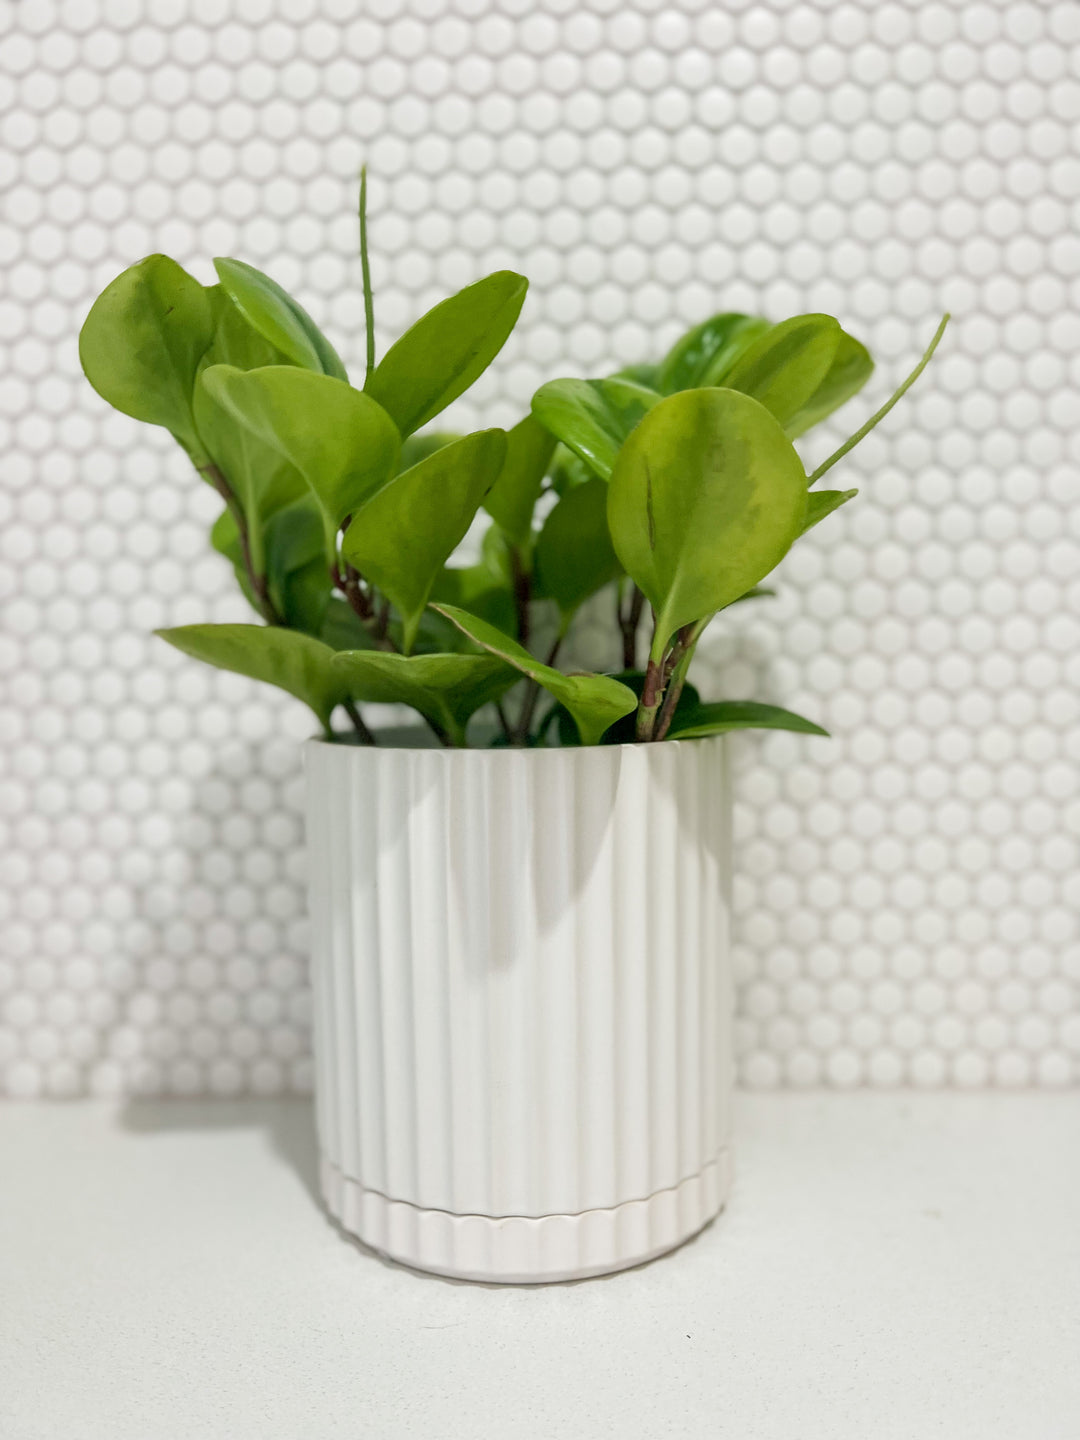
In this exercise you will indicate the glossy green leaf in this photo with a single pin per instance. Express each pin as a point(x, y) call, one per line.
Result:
point(401, 538)
point(340, 440)
point(823, 502)
point(595, 701)
point(278, 317)
point(285, 658)
point(787, 365)
point(141, 344)
point(475, 589)
point(707, 497)
point(445, 689)
point(850, 369)
point(593, 417)
point(574, 554)
point(446, 350)
point(706, 353)
point(512, 499)
point(724, 715)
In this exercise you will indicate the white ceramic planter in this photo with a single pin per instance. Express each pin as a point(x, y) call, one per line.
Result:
point(522, 1016)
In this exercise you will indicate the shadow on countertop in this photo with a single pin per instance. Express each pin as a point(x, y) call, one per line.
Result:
point(289, 1125)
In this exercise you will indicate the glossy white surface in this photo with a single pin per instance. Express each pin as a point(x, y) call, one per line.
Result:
point(902, 1267)
point(522, 985)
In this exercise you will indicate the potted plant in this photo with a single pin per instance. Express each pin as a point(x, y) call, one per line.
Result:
point(519, 906)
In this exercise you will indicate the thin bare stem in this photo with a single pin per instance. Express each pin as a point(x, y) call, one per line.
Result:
point(532, 694)
point(365, 735)
point(365, 270)
point(629, 624)
point(522, 594)
point(879, 415)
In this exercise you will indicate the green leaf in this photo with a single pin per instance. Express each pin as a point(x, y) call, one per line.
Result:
point(724, 715)
point(260, 477)
point(278, 317)
point(473, 588)
point(643, 374)
point(707, 497)
point(574, 555)
point(225, 539)
point(297, 566)
point(497, 559)
point(567, 470)
point(623, 731)
point(401, 538)
point(342, 628)
point(418, 447)
point(850, 369)
point(285, 658)
point(445, 689)
point(512, 499)
point(704, 354)
point(787, 365)
point(446, 350)
point(593, 417)
point(823, 502)
point(340, 440)
point(595, 701)
point(142, 342)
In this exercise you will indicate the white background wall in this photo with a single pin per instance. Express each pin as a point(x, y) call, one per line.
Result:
point(908, 891)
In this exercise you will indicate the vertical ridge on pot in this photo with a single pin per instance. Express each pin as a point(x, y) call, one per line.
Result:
point(520, 1021)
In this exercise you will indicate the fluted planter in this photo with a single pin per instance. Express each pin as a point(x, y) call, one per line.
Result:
point(522, 1021)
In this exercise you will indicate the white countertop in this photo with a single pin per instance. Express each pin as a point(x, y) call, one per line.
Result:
point(889, 1266)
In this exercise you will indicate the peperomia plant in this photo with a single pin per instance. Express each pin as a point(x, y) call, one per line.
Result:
point(676, 487)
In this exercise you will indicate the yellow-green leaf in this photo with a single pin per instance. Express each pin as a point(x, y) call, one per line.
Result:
point(706, 498)
point(594, 701)
point(141, 344)
point(446, 350)
point(403, 536)
point(445, 689)
point(593, 417)
point(286, 658)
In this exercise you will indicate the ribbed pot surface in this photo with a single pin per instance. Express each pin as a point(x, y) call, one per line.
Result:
point(522, 1017)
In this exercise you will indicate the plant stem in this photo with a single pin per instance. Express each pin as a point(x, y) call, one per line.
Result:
point(365, 270)
point(879, 415)
point(351, 586)
point(503, 721)
point(532, 694)
point(628, 625)
point(653, 690)
point(383, 620)
point(366, 737)
point(259, 587)
point(522, 595)
point(678, 664)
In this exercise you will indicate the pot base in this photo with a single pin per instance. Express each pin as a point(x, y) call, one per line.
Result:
point(528, 1250)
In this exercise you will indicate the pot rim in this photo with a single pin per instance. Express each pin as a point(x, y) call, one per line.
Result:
point(348, 746)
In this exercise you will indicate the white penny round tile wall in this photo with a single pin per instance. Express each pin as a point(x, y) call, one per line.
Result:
point(907, 892)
